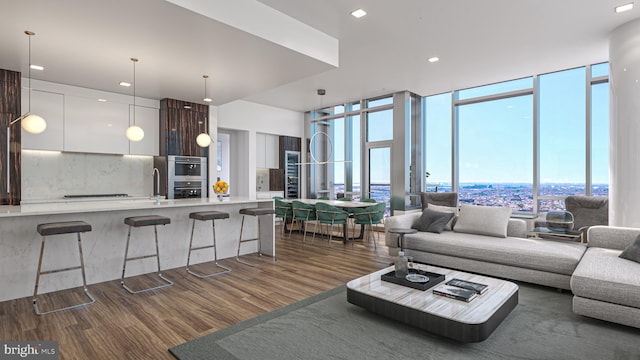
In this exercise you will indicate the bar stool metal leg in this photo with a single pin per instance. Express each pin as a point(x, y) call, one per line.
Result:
point(247, 240)
point(84, 280)
point(257, 212)
point(215, 253)
point(156, 255)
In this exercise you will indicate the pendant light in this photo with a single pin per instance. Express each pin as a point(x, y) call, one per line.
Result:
point(203, 139)
point(134, 132)
point(31, 123)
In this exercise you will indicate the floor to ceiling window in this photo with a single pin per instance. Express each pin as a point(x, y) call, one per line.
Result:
point(562, 136)
point(437, 144)
point(526, 143)
point(496, 152)
point(335, 151)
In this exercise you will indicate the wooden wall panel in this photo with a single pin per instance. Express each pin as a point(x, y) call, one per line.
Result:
point(10, 110)
point(276, 179)
point(179, 127)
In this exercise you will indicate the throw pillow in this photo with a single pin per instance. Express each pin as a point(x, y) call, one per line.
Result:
point(483, 220)
point(453, 210)
point(432, 221)
point(632, 252)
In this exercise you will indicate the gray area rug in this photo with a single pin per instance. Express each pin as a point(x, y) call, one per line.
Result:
point(326, 326)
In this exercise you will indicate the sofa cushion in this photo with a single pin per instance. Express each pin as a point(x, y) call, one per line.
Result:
point(483, 220)
point(432, 221)
point(559, 257)
point(602, 275)
point(632, 252)
point(449, 209)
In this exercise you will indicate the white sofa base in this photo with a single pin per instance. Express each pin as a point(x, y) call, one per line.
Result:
point(601, 310)
point(558, 281)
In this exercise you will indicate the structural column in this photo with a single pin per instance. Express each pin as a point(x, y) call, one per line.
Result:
point(10, 97)
point(624, 187)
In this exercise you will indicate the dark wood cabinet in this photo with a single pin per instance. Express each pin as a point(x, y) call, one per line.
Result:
point(9, 111)
point(180, 124)
point(276, 179)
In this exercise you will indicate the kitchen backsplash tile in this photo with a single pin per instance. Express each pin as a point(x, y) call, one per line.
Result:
point(51, 175)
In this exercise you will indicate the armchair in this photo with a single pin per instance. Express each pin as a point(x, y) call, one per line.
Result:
point(587, 211)
point(439, 198)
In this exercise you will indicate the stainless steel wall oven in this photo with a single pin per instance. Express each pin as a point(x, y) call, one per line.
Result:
point(187, 177)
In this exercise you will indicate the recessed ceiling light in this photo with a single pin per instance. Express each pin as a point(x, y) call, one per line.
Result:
point(624, 7)
point(358, 13)
point(207, 99)
point(433, 59)
point(36, 67)
point(124, 83)
point(187, 107)
point(102, 100)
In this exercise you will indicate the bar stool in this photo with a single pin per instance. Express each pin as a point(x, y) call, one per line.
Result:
point(252, 212)
point(206, 216)
point(139, 221)
point(59, 228)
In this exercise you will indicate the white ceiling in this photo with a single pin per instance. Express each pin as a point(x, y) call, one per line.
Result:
point(89, 42)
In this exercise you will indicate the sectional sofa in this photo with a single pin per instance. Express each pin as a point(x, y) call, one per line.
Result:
point(605, 286)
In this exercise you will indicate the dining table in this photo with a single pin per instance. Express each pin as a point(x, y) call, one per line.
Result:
point(345, 205)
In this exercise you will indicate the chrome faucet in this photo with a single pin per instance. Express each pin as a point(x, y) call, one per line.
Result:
point(156, 173)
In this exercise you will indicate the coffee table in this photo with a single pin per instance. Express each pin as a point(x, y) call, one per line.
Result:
point(465, 322)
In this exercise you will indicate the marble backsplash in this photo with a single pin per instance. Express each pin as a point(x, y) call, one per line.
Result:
point(48, 175)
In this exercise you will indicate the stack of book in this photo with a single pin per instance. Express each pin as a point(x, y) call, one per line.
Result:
point(461, 290)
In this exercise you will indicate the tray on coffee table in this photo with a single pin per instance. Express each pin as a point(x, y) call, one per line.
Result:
point(434, 279)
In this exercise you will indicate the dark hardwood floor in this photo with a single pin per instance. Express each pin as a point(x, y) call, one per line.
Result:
point(143, 326)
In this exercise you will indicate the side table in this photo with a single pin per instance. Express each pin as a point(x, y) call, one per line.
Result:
point(401, 233)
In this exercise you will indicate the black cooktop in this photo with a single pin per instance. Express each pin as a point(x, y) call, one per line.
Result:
point(94, 195)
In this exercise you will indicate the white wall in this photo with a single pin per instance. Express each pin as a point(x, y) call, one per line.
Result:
point(244, 119)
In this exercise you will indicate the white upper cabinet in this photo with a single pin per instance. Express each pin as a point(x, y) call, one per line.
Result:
point(50, 106)
point(91, 121)
point(267, 150)
point(272, 151)
point(95, 127)
point(148, 119)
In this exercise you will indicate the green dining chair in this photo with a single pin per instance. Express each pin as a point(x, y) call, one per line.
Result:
point(323, 198)
point(370, 200)
point(331, 215)
point(284, 211)
point(302, 214)
point(346, 198)
point(369, 216)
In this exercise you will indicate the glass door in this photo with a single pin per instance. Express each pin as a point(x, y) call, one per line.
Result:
point(292, 174)
point(379, 165)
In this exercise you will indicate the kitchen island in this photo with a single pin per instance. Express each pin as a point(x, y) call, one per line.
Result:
point(104, 246)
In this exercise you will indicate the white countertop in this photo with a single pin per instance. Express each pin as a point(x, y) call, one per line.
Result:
point(50, 208)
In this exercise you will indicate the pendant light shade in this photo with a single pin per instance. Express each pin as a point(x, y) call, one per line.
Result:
point(33, 124)
point(203, 139)
point(134, 133)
